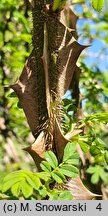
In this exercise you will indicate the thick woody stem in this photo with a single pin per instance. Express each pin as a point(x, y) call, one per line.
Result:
point(38, 43)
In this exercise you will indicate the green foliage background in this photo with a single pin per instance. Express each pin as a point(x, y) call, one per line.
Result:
point(15, 46)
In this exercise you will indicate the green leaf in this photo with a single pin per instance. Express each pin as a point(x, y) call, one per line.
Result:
point(8, 184)
point(14, 175)
point(12, 95)
point(26, 189)
point(44, 175)
point(69, 170)
point(77, 1)
point(65, 195)
point(34, 181)
point(58, 177)
point(26, 37)
point(43, 191)
point(97, 117)
point(51, 158)
point(60, 195)
point(91, 169)
point(58, 4)
point(69, 151)
point(11, 180)
point(19, 105)
point(98, 4)
point(94, 150)
point(45, 166)
point(84, 146)
point(103, 175)
point(106, 156)
point(95, 178)
point(15, 189)
point(100, 143)
point(74, 160)
point(98, 173)
point(100, 158)
point(53, 196)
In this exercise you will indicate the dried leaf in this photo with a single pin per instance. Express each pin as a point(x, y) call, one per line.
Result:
point(81, 154)
point(60, 140)
point(72, 133)
point(61, 38)
point(68, 51)
point(37, 149)
point(68, 18)
point(66, 62)
point(39, 145)
point(74, 88)
point(25, 89)
point(79, 191)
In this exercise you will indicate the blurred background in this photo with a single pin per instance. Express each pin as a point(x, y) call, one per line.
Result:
point(15, 47)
